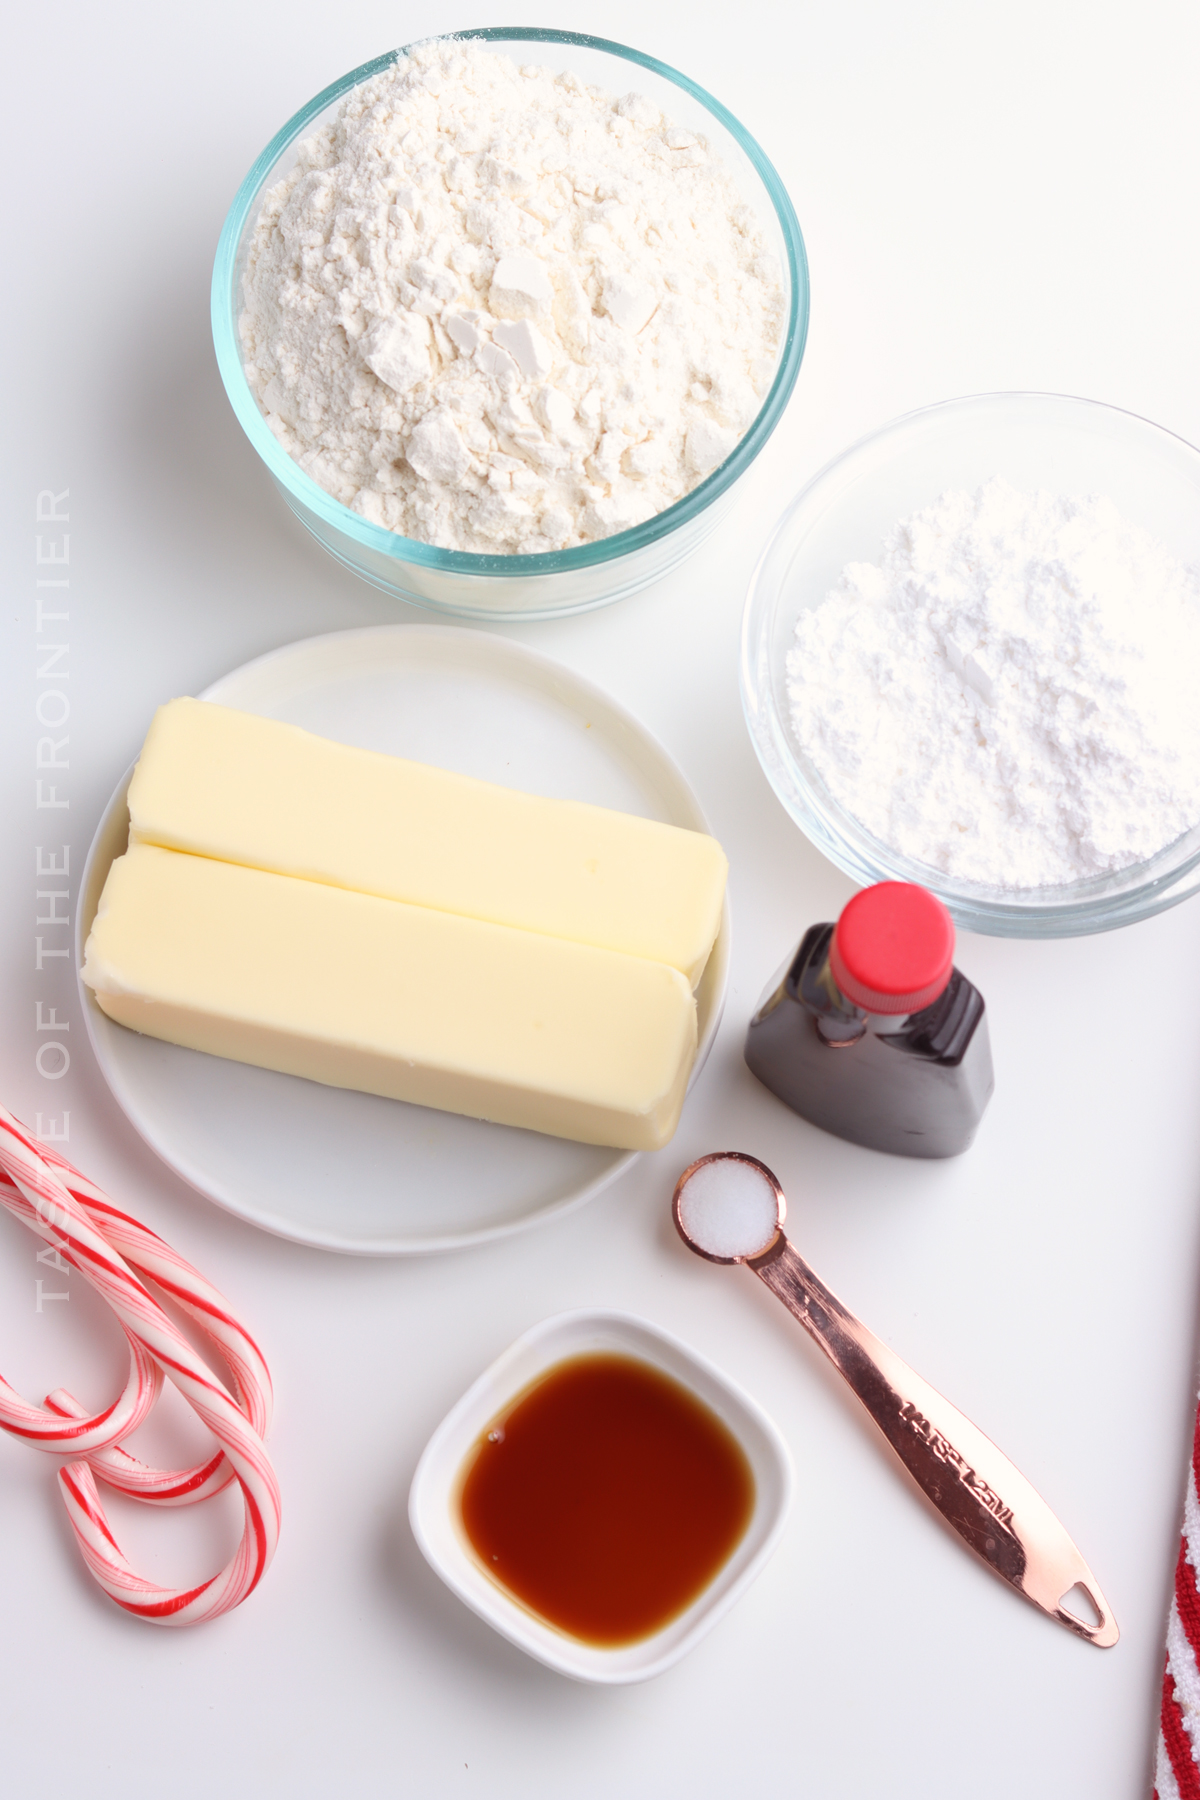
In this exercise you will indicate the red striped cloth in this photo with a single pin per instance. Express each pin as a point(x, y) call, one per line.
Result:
point(1177, 1768)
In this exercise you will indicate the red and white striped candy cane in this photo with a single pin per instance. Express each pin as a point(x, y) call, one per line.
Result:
point(146, 1252)
point(154, 1487)
point(45, 1193)
point(97, 1436)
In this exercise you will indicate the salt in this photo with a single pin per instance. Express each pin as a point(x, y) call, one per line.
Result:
point(729, 1209)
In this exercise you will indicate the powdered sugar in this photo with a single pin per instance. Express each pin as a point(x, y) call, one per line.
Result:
point(1012, 696)
point(498, 310)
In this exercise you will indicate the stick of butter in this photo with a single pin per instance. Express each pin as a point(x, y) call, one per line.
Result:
point(405, 1001)
point(229, 784)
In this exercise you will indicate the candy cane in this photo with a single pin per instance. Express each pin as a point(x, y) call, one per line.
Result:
point(154, 1487)
point(41, 1189)
point(147, 1252)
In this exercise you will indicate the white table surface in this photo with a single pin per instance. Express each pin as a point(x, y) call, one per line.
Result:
point(992, 197)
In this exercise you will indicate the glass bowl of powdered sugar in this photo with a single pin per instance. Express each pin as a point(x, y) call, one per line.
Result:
point(971, 659)
point(507, 315)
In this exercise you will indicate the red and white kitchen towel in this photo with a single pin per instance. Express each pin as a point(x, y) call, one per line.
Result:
point(1177, 1764)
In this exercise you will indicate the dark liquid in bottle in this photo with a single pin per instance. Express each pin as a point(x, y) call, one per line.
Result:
point(917, 1091)
point(606, 1498)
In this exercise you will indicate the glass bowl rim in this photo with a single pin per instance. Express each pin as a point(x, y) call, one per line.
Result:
point(464, 562)
point(1092, 904)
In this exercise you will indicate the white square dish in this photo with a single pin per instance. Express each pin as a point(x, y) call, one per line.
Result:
point(433, 1504)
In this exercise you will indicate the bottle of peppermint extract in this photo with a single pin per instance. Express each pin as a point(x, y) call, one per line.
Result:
point(873, 1034)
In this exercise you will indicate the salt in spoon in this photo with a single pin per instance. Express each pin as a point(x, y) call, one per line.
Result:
point(729, 1208)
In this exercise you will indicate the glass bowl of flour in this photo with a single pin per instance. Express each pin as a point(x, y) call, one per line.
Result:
point(507, 316)
point(971, 659)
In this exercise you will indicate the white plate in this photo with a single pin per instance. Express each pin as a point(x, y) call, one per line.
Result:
point(434, 1515)
point(350, 1171)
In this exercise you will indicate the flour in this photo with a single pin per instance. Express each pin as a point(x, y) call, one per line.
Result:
point(1011, 697)
point(497, 310)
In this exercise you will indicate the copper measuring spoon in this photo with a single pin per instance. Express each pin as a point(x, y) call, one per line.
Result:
point(977, 1490)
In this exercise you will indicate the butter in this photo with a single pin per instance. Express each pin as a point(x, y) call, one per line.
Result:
point(405, 1001)
point(230, 785)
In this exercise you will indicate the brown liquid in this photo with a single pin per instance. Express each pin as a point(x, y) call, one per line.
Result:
point(606, 1498)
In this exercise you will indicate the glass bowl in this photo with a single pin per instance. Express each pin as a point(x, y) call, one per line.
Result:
point(562, 581)
point(1034, 440)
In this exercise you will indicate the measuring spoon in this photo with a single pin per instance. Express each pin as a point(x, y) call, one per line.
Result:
point(729, 1208)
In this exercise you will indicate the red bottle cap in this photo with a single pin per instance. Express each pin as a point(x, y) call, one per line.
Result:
point(893, 948)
